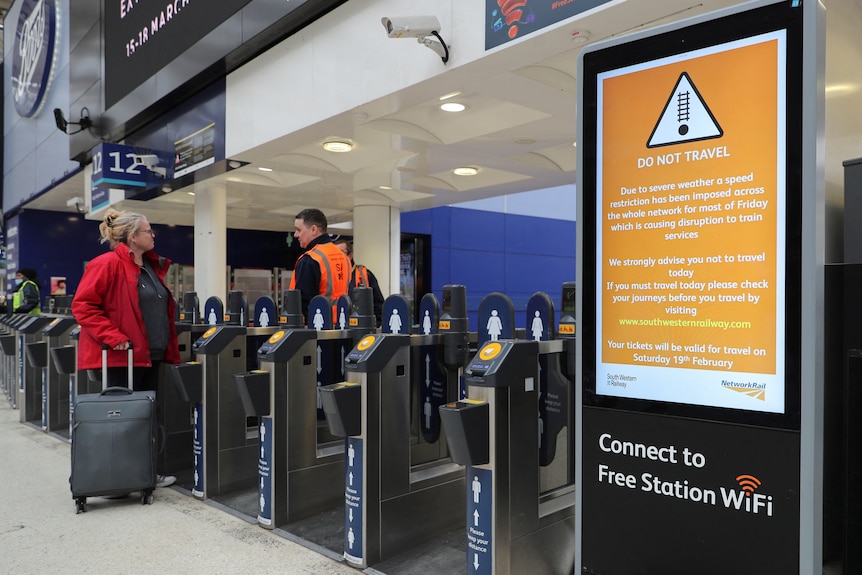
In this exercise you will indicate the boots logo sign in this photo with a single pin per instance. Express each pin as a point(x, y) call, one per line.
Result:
point(34, 55)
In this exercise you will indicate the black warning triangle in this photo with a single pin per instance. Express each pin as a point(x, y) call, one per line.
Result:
point(685, 118)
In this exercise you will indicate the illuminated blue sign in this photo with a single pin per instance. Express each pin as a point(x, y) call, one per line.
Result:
point(114, 166)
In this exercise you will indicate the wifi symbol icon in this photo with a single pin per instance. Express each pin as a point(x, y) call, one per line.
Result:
point(748, 483)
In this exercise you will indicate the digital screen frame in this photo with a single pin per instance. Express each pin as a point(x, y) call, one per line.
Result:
point(690, 194)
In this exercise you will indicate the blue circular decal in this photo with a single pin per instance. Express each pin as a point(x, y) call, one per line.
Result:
point(34, 54)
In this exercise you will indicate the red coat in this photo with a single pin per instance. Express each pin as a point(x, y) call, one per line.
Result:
point(107, 308)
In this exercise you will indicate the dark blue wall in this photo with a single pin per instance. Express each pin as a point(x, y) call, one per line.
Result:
point(490, 251)
point(485, 251)
point(58, 244)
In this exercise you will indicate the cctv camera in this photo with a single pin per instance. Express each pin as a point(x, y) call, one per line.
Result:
point(411, 26)
point(60, 120)
point(146, 160)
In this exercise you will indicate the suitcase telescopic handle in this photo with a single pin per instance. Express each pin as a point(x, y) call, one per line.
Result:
point(105, 348)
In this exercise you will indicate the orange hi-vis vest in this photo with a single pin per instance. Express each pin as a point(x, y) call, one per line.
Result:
point(334, 274)
point(360, 277)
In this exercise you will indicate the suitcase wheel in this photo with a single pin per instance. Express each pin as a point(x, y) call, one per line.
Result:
point(147, 498)
point(80, 505)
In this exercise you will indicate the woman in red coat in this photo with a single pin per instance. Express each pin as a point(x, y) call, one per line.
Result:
point(122, 299)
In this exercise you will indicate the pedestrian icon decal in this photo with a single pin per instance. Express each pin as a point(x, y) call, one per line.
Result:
point(495, 326)
point(395, 322)
point(685, 118)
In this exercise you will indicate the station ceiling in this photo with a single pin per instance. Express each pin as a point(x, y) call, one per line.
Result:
point(518, 129)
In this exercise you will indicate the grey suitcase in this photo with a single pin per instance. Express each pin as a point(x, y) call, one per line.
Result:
point(113, 446)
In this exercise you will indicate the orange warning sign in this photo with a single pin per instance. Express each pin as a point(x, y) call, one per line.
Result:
point(689, 237)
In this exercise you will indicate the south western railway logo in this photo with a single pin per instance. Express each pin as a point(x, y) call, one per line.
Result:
point(749, 388)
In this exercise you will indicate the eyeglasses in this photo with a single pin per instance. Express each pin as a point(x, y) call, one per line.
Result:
point(149, 231)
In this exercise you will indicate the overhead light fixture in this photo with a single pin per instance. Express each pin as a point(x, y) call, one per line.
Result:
point(262, 169)
point(465, 171)
point(453, 107)
point(385, 187)
point(449, 95)
point(337, 146)
point(190, 193)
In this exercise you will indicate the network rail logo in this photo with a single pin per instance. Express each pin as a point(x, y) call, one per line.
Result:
point(750, 388)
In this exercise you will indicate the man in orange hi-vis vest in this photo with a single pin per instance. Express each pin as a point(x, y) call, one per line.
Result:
point(323, 269)
point(362, 276)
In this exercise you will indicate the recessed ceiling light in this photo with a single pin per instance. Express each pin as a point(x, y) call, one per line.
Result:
point(449, 95)
point(466, 171)
point(453, 107)
point(337, 146)
point(385, 187)
point(262, 169)
point(190, 193)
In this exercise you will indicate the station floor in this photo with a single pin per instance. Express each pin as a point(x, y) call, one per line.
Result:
point(176, 535)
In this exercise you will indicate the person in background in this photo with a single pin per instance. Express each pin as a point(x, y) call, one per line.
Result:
point(122, 299)
point(26, 298)
point(322, 269)
point(362, 276)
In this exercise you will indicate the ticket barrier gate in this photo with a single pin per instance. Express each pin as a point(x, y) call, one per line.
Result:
point(390, 504)
point(224, 439)
point(176, 411)
point(54, 384)
point(398, 464)
point(301, 465)
point(30, 375)
point(495, 433)
point(65, 361)
point(11, 369)
point(301, 470)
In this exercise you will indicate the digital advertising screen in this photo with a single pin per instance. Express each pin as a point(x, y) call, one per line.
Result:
point(142, 37)
point(692, 199)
